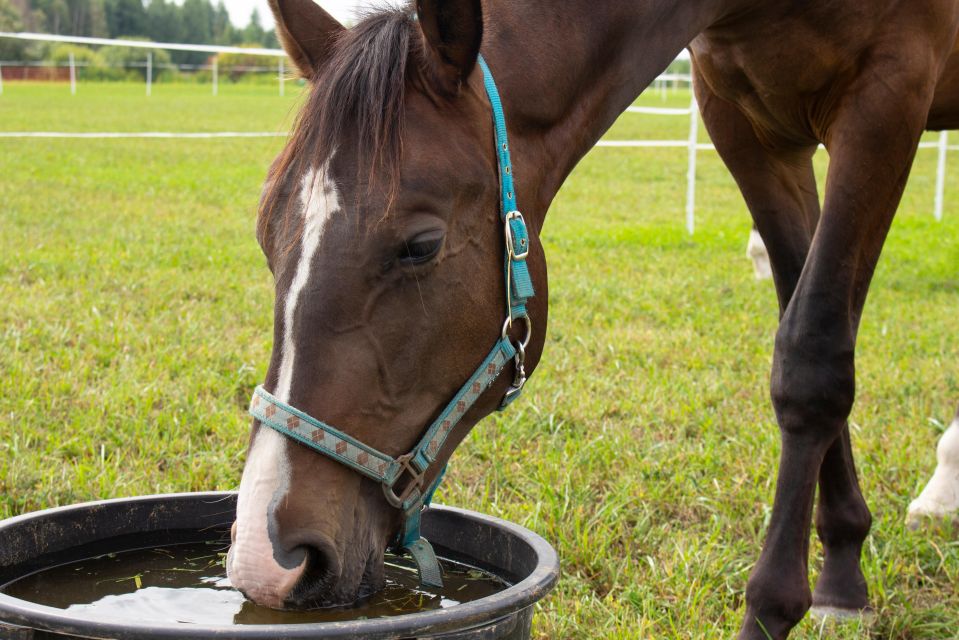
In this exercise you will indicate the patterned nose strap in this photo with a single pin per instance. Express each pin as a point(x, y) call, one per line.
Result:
point(404, 478)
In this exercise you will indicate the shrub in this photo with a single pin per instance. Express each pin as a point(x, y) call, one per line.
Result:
point(132, 60)
point(84, 56)
point(237, 65)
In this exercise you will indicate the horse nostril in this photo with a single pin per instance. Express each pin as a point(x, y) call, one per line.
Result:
point(319, 575)
point(318, 563)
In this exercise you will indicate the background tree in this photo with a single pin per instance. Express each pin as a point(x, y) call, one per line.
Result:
point(55, 13)
point(163, 21)
point(253, 33)
point(10, 20)
point(197, 27)
point(95, 19)
point(126, 16)
point(223, 30)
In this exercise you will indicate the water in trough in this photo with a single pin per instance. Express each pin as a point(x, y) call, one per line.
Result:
point(187, 583)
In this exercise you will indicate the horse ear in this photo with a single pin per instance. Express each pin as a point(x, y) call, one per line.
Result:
point(452, 33)
point(306, 31)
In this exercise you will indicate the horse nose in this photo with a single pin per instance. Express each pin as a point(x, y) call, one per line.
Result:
point(262, 563)
point(262, 570)
point(296, 569)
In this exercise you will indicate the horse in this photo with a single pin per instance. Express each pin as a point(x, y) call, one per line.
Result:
point(756, 252)
point(382, 221)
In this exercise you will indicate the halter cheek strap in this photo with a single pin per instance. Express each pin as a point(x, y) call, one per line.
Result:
point(403, 478)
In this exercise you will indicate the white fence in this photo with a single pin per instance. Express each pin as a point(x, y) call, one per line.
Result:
point(661, 84)
point(147, 63)
point(693, 145)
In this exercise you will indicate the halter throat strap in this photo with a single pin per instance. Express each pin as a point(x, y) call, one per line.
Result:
point(403, 478)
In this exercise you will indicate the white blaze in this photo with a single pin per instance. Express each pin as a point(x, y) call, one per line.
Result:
point(251, 565)
point(320, 200)
point(940, 498)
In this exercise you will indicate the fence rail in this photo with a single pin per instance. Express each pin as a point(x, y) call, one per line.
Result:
point(143, 44)
point(142, 134)
point(148, 64)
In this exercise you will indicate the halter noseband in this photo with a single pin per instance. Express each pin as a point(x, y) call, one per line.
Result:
point(388, 471)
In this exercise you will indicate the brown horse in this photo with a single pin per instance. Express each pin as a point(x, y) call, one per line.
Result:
point(380, 223)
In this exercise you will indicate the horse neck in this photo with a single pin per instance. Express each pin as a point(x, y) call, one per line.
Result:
point(567, 70)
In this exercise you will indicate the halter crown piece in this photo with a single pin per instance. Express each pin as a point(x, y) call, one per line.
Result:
point(415, 496)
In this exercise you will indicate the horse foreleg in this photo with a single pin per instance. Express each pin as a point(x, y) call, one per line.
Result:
point(872, 141)
point(842, 522)
point(940, 498)
point(779, 188)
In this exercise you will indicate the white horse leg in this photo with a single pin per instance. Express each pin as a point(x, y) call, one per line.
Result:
point(940, 498)
point(756, 251)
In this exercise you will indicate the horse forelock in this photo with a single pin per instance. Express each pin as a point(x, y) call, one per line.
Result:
point(355, 107)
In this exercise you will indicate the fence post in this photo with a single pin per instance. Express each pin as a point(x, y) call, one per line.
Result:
point(149, 72)
point(1, 79)
point(216, 75)
point(941, 173)
point(73, 76)
point(691, 172)
point(281, 74)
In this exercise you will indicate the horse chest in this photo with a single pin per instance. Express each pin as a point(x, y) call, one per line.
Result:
point(785, 64)
point(788, 65)
point(784, 88)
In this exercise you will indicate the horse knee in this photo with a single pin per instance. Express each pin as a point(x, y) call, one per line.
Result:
point(844, 524)
point(812, 385)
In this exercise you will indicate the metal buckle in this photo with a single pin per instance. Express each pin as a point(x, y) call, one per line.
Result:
point(416, 482)
point(510, 248)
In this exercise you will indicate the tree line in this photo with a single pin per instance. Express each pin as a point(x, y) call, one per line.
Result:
point(194, 22)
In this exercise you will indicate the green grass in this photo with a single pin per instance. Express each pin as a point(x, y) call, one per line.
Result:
point(137, 319)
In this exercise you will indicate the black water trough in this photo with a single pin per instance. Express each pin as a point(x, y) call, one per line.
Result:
point(39, 540)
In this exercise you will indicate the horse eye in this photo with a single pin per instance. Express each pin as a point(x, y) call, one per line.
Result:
point(421, 248)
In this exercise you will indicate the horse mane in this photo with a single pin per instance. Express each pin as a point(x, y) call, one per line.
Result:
point(358, 95)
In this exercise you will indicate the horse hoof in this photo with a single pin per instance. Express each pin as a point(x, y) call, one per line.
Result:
point(917, 520)
point(842, 615)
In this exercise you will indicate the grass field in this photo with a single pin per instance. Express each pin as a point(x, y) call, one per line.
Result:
point(137, 319)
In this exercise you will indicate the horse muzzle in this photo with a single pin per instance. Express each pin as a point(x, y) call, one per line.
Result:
point(302, 536)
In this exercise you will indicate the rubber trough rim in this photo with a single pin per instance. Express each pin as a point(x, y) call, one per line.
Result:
point(459, 618)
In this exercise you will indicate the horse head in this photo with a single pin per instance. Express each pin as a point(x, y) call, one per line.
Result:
point(381, 223)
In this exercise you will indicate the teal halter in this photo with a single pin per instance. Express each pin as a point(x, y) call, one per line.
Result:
point(415, 465)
